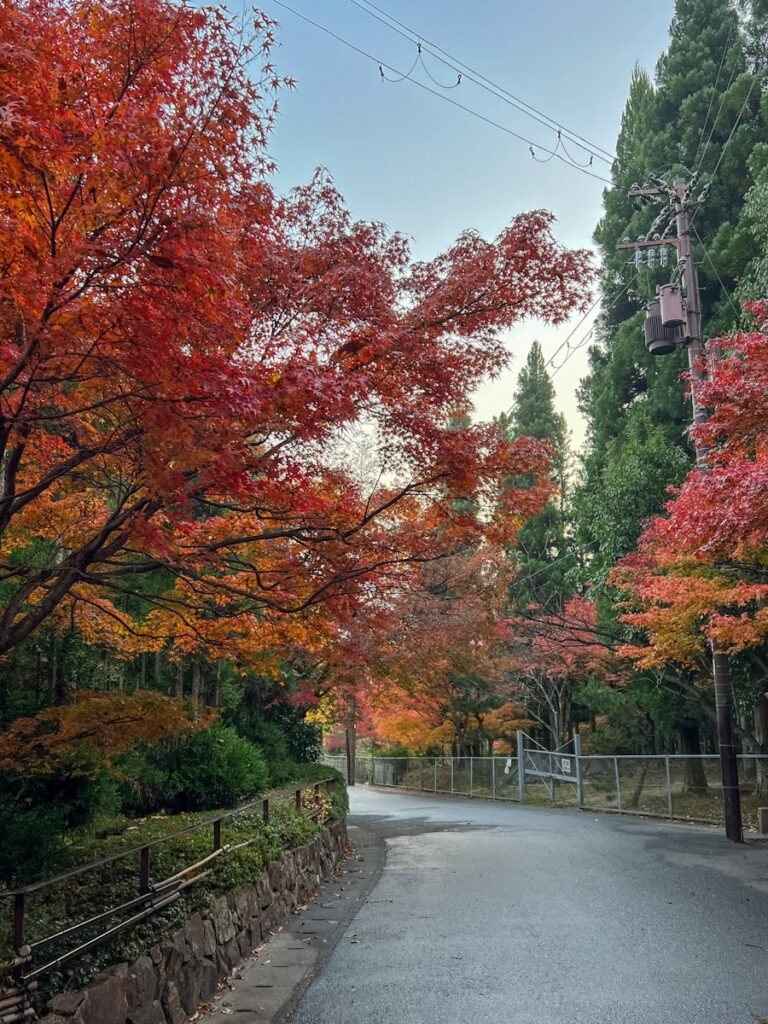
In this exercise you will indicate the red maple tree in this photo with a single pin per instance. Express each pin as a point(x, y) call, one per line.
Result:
point(181, 349)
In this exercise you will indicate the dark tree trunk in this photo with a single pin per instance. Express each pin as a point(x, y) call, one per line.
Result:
point(634, 800)
point(197, 677)
point(695, 777)
point(351, 741)
point(761, 734)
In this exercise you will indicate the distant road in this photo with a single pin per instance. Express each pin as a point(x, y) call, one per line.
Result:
point(498, 914)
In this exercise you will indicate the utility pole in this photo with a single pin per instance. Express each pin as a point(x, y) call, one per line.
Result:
point(678, 195)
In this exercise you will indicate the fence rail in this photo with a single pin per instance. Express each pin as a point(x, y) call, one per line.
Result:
point(150, 897)
point(678, 787)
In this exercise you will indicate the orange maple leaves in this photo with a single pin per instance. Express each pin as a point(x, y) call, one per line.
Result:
point(701, 571)
point(181, 350)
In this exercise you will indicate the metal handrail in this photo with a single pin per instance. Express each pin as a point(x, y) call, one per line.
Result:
point(35, 886)
point(157, 895)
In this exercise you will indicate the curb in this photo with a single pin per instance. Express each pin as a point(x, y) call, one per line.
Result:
point(267, 987)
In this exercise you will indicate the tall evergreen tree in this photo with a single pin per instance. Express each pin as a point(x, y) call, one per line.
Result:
point(542, 544)
point(702, 113)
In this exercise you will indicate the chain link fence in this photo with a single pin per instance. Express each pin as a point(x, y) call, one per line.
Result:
point(670, 786)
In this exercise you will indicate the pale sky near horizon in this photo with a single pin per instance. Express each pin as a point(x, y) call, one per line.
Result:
point(404, 156)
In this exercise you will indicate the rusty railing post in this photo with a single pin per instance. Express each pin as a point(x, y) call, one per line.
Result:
point(265, 811)
point(217, 834)
point(18, 921)
point(298, 800)
point(144, 870)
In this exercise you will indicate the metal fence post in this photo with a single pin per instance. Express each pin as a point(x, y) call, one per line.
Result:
point(579, 778)
point(471, 775)
point(669, 785)
point(434, 772)
point(521, 765)
point(618, 783)
point(18, 921)
point(421, 773)
point(493, 777)
point(144, 870)
point(451, 774)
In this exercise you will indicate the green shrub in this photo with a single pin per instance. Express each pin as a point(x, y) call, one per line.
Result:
point(37, 814)
point(291, 828)
point(212, 768)
point(280, 731)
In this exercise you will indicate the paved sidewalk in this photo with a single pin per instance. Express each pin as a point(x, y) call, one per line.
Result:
point(267, 986)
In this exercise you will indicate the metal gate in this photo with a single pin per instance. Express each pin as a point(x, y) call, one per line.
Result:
point(550, 766)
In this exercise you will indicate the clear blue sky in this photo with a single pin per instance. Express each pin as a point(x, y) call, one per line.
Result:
point(408, 158)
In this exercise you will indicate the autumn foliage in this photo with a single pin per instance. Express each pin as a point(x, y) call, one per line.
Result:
point(700, 571)
point(80, 739)
point(182, 350)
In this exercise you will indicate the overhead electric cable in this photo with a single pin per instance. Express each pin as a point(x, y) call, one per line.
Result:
point(708, 258)
point(401, 77)
point(712, 97)
point(697, 164)
point(432, 78)
point(447, 99)
point(565, 344)
point(736, 124)
point(457, 65)
point(572, 349)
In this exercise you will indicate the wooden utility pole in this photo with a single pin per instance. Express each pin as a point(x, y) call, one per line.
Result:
point(678, 195)
point(721, 667)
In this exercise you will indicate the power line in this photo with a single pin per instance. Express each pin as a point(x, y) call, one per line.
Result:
point(712, 100)
point(458, 66)
point(447, 99)
point(572, 349)
point(708, 258)
point(730, 137)
point(566, 343)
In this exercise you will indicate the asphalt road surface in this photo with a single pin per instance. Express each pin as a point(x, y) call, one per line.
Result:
point(488, 912)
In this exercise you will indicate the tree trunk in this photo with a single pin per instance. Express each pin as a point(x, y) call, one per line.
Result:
point(197, 676)
point(695, 777)
point(217, 685)
point(180, 679)
point(54, 672)
point(351, 741)
point(634, 800)
point(761, 731)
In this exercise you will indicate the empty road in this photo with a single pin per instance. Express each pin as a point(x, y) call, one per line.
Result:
point(494, 912)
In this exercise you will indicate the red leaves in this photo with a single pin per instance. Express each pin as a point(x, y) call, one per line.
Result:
point(181, 351)
point(702, 571)
point(560, 645)
point(80, 739)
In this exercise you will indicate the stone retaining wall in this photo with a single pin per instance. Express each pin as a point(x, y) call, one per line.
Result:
point(167, 985)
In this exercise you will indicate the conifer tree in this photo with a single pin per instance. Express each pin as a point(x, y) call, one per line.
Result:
point(542, 543)
point(702, 113)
